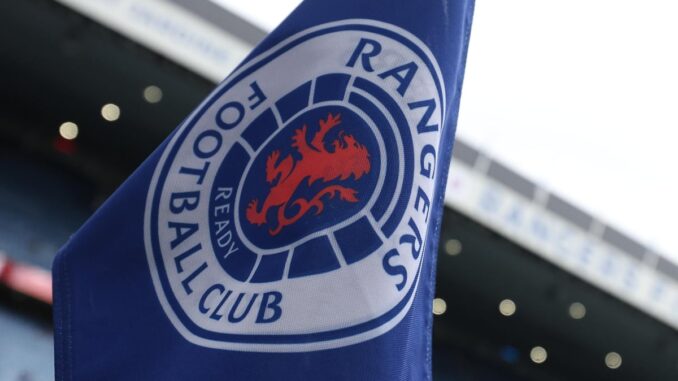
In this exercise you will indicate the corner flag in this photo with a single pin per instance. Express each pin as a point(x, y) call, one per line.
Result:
point(288, 228)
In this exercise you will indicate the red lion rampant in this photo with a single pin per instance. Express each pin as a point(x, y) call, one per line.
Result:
point(347, 157)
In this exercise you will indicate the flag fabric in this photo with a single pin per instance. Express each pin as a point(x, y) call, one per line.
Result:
point(287, 229)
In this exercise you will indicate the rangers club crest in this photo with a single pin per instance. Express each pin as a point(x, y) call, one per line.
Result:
point(290, 211)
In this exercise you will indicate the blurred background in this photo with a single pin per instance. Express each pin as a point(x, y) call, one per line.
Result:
point(558, 251)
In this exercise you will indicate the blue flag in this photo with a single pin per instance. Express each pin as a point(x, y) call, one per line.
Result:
point(288, 228)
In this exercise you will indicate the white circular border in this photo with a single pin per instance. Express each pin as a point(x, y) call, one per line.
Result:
point(282, 347)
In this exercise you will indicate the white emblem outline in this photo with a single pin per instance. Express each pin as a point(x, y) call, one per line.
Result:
point(281, 347)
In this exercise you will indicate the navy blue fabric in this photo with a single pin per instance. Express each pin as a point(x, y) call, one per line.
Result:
point(109, 323)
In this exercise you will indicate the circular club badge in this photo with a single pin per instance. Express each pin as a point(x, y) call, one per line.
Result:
point(290, 211)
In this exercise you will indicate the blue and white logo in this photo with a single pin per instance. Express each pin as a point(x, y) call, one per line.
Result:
point(289, 212)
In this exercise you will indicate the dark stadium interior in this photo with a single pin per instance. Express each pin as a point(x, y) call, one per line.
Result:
point(65, 66)
point(490, 268)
